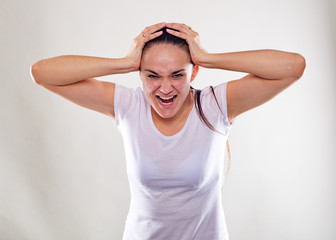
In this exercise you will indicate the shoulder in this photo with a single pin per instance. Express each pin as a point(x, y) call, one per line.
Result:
point(126, 99)
point(214, 99)
point(127, 93)
point(217, 93)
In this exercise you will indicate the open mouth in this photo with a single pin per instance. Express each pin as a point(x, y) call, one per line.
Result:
point(166, 101)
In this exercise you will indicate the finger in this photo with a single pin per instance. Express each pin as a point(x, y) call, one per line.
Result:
point(175, 25)
point(154, 35)
point(151, 29)
point(154, 28)
point(147, 38)
point(178, 26)
point(177, 33)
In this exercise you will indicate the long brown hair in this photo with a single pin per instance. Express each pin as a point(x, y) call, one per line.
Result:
point(165, 37)
point(197, 100)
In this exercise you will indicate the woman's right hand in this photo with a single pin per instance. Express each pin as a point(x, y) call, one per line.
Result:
point(149, 33)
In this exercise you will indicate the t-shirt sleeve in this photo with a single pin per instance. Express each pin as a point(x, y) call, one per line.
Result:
point(125, 100)
point(220, 92)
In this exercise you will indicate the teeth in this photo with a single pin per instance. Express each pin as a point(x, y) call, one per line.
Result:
point(166, 98)
point(163, 98)
point(165, 103)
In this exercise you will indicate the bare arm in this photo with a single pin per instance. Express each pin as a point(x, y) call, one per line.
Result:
point(267, 64)
point(63, 70)
point(269, 71)
point(72, 76)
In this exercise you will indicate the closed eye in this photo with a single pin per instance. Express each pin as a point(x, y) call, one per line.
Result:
point(152, 76)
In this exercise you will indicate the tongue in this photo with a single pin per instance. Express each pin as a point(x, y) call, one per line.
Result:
point(167, 101)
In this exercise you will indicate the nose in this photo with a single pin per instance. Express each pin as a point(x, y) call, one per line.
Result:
point(166, 86)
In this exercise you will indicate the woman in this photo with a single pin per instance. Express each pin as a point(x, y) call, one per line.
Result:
point(173, 134)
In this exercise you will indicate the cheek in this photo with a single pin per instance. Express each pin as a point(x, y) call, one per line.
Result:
point(182, 86)
point(151, 86)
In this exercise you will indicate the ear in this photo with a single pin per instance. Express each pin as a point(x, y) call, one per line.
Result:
point(194, 72)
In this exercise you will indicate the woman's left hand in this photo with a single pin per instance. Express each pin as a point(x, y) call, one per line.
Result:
point(197, 52)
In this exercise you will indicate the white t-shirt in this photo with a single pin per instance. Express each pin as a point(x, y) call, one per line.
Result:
point(175, 181)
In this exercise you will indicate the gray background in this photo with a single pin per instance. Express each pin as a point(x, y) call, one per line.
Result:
point(62, 167)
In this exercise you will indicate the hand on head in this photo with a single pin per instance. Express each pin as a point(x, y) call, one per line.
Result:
point(139, 42)
point(197, 52)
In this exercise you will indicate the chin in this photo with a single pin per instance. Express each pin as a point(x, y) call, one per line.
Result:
point(165, 113)
point(167, 116)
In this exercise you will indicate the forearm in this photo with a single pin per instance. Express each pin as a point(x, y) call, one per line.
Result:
point(69, 69)
point(268, 64)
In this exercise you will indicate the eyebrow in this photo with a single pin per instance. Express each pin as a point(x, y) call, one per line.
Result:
point(148, 70)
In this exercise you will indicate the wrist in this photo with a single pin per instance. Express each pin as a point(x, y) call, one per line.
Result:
point(131, 64)
point(206, 60)
point(122, 65)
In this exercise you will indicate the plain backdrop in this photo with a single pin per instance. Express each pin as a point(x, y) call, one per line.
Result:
point(62, 167)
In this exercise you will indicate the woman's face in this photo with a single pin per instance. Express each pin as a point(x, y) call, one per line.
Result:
point(166, 73)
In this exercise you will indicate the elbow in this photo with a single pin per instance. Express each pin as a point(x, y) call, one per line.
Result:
point(298, 66)
point(34, 73)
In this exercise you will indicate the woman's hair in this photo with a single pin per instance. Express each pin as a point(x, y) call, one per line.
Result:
point(165, 37)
